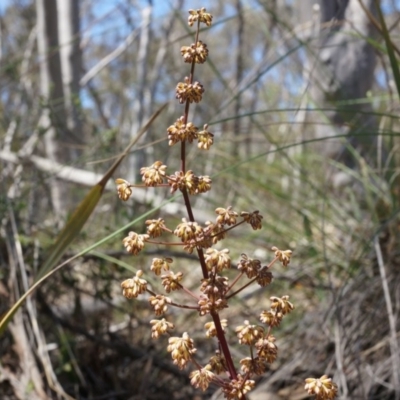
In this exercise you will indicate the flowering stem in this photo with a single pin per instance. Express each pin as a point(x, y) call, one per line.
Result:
point(234, 282)
point(224, 345)
point(250, 282)
point(190, 293)
point(187, 105)
point(239, 290)
point(184, 306)
point(215, 315)
point(214, 286)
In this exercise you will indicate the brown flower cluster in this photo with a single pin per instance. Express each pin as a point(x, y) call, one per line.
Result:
point(160, 264)
point(254, 219)
point(279, 308)
point(215, 289)
point(218, 363)
point(189, 182)
point(160, 304)
point(199, 15)
point(283, 256)
point(155, 227)
point(181, 131)
point(211, 329)
point(133, 287)
point(188, 91)
point(134, 243)
point(249, 334)
point(249, 266)
point(154, 175)
point(205, 138)
point(160, 327)
point(196, 52)
point(201, 378)
point(237, 388)
point(323, 388)
point(182, 349)
point(124, 189)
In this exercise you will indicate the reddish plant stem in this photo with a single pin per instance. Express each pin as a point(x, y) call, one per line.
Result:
point(224, 345)
point(234, 282)
point(215, 316)
point(253, 280)
point(190, 293)
point(189, 210)
point(174, 304)
point(183, 306)
point(204, 269)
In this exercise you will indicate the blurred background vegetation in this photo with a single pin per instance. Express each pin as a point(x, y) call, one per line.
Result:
point(303, 101)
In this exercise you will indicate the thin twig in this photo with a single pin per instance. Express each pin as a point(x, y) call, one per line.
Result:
point(392, 321)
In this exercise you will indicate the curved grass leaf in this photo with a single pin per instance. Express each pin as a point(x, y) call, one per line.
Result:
point(74, 227)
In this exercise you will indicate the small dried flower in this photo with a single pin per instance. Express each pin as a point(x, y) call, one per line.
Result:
point(181, 349)
point(171, 281)
point(201, 378)
point(216, 231)
point(249, 266)
point(215, 287)
point(160, 264)
point(212, 330)
point(124, 189)
point(226, 216)
point(183, 181)
point(160, 304)
point(205, 242)
point(271, 318)
point(205, 138)
point(155, 227)
point(196, 52)
point(254, 219)
point(190, 246)
point(176, 181)
point(133, 287)
point(267, 349)
point(237, 388)
point(323, 388)
point(210, 303)
point(188, 230)
point(283, 255)
point(199, 15)
point(218, 363)
point(153, 175)
point(219, 260)
point(204, 184)
point(249, 334)
point(179, 132)
point(255, 365)
point(191, 92)
point(191, 182)
point(160, 327)
point(134, 243)
point(282, 305)
point(264, 277)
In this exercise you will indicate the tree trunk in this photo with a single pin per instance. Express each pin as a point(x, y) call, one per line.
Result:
point(43, 22)
point(340, 68)
point(59, 87)
point(141, 106)
point(71, 67)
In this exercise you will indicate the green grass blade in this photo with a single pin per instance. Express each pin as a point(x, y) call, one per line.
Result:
point(74, 226)
point(6, 318)
point(86, 207)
